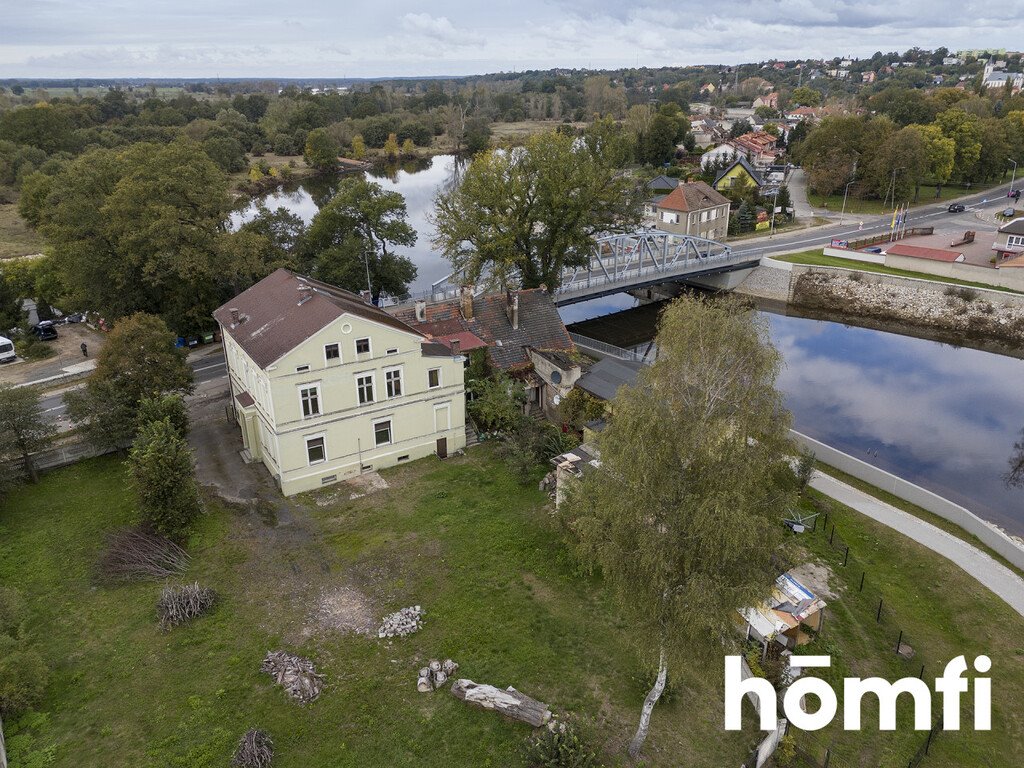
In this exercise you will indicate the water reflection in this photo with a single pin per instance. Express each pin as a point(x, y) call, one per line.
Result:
point(943, 417)
point(417, 180)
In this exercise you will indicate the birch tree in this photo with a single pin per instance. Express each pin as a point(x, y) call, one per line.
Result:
point(683, 516)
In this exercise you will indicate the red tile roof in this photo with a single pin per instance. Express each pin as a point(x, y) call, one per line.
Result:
point(920, 252)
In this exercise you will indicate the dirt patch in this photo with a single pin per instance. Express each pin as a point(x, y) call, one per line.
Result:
point(541, 591)
point(816, 576)
point(342, 609)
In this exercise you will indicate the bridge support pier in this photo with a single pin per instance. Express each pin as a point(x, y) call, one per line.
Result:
point(722, 281)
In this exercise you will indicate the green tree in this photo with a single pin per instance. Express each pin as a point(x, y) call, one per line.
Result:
point(534, 209)
point(708, 423)
point(391, 146)
point(351, 241)
point(163, 475)
point(138, 361)
point(321, 151)
point(358, 147)
point(965, 131)
point(170, 407)
point(657, 144)
point(805, 96)
point(940, 152)
point(477, 135)
point(24, 429)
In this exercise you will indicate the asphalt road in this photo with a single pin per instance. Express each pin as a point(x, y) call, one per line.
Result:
point(937, 215)
point(206, 369)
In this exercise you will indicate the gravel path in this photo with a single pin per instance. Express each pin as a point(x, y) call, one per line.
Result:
point(991, 574)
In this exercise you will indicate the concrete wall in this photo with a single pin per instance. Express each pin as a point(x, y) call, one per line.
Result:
point(987, 533)
point(1005, 278)
point(770, 280)
point(846, 253)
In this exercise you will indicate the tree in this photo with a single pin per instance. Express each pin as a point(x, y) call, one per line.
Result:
point(351, 240)
point(139, 360)
point(532, 209)
point(321, 151)
point(657, 145)
point(391, 146)
point(11, 315)
point(358, 147)
point(23, 428)
point(965, 131)
point(170, 406)
point(739, 128)
point(163, 475)
point(477, 135)
point(805, 96)
point(408, 148)
point(683, 511)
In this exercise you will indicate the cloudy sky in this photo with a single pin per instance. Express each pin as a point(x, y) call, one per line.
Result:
point(346, 38)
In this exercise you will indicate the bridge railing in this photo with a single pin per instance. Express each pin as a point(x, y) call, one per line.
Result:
point(606, 350)
point(592, 279)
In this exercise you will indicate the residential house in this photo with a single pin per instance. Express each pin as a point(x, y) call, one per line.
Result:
point(657, 188)
point(868, 77)
point(770, 100)
point(801, 113)
point(759, 146)
point(734, 175)
point(520, 332)
point(708, 89)
point(723, 151)
point(325, 386)
point(951, 61)
point(1009, 241)
point(996, 76)
point(693, 208)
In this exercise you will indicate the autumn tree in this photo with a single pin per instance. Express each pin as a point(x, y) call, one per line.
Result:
point(351, 241)
point(138, 361)
point(391, 146)
point(24, 430)
point(524, 214)
point(684, 510)
point(358, 147)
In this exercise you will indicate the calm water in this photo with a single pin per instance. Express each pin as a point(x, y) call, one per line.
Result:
point(940, 416)
point(417, 181)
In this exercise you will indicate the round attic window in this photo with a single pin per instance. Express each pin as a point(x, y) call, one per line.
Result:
point(346, 328)
point(556, 377)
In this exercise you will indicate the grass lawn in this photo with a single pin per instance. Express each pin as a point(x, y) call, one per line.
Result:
point(816, 258)
point(461, 538)
point(943, 613)
point(516, 132)
point(16, 238)
point(926, 197)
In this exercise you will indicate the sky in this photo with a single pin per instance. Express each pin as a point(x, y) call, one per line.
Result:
point(341, 38)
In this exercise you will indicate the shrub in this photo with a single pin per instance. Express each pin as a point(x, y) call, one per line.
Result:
point(566, 743)
point(23, 676)
point(164, 478)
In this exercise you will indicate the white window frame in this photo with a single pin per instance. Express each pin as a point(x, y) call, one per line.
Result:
point(391, 431)
point(302, 368)
point(1014, 241)
point(392, 351)
point(401, 382)
point(322, 436)
point(439, 379)
point(447, 408)
point(369, 346)
point(371, 375)
point(338, 360)
point(319, 400)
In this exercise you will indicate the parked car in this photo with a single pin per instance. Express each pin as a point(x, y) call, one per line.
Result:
point(6, 350)
point(957, 208)
point(45, 330)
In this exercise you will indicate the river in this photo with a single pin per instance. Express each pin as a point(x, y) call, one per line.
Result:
point(941, 416)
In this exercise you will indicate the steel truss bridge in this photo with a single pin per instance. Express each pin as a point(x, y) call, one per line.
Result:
point(627, 261)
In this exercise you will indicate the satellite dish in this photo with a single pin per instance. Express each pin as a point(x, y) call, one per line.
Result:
point(556, 377)
point(556, 399)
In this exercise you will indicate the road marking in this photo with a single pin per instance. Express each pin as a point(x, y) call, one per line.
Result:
point(208, 367)
point(55, 408)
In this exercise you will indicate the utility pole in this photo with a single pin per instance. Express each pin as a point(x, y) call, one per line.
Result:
point(1013, 178)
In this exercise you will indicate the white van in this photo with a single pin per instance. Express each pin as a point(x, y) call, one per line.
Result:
point(6, 350)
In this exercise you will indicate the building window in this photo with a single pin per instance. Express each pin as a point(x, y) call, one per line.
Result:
point(382, 433)
point(362, 346)
point(310, 397)
point(393, 382)
point(316, 451)
point(1015, 241)
point(433, 378)
point(332, 352)
point(301, 368)
point(393, 351)
point(364, 386)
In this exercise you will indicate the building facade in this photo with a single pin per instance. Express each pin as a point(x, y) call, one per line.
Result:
point(325, 387)
point(692, 209)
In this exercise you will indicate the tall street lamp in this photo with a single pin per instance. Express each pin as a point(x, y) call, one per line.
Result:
point(845, 193)
point(1013, 178)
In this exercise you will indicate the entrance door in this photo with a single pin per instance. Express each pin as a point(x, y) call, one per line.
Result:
point(442, 448)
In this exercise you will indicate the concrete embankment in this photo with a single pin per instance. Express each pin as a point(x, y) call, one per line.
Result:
point(968, 316)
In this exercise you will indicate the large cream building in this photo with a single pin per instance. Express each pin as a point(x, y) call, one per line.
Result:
point(326, 386)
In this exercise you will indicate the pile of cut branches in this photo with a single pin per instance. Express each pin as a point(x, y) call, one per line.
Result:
point(178, 605)
point(297, 675)
point(132, 554)
point(255, 750)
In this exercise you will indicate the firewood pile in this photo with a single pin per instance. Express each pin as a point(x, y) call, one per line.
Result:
point(435, 674)
point(255, 750)
point(295, 674)
point(178, 605)
point(402, 623)
point(135, 554)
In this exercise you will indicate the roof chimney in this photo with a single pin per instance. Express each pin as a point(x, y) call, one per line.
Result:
point(366, 296)
point(305, 293)
point(512, 308)
point(421, 311)
point(234, 315)
point(466, 301)
point(455, 346)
